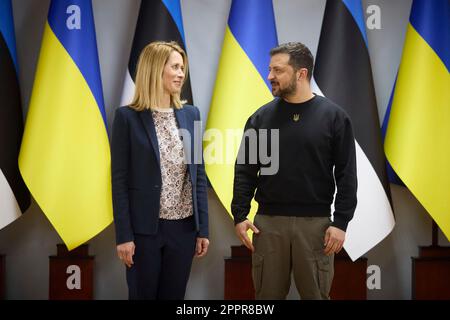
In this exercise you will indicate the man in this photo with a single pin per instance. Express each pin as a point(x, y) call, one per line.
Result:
point(293, 231)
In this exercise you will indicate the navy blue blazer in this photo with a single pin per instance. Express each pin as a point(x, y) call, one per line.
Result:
point(136, 173)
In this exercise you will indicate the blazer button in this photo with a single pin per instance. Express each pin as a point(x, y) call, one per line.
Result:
point(156, 186)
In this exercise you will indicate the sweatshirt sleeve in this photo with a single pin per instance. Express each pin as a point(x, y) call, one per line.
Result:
point(245, 179)
point(345, 173)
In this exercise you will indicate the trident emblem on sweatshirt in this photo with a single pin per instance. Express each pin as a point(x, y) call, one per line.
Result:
point(296, 117)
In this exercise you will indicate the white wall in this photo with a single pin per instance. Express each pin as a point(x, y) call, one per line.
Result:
point(29, 241)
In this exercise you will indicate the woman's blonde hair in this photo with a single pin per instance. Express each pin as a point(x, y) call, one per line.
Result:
point(149, 72)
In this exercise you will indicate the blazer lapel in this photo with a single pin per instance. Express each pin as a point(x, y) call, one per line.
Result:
point(180, 115)
point(149, 125)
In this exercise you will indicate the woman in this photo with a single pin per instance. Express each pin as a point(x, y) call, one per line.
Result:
point(159, 192)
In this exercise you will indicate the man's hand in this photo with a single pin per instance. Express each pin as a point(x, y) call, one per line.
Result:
point(241, 231)
point(125, 251)
point(201, 247)
point(334, 240)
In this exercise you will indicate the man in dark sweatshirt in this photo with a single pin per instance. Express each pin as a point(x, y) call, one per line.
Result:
point(293, 230)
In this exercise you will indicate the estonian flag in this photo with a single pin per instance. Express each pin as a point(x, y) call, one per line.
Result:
point(159, 20)
point(344, 75)
point(14, 196)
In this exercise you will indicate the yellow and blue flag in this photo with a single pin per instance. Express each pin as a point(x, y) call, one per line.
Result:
point(417, 141)
point(241, 87)
point(65, 155)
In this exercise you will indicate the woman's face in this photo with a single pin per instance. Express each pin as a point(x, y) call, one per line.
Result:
point(173, 74)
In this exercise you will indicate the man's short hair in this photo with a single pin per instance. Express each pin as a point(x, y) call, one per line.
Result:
point(299, 56)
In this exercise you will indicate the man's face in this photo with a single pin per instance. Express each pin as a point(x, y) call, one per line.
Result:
point(282, 76)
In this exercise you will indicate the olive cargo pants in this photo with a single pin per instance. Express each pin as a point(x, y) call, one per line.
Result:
point(288, 245)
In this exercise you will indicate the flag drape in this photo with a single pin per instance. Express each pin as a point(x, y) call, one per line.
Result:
point(65, 155)
point(241, 87)
point(343, 74)
point(417, 139)
point(14, 195)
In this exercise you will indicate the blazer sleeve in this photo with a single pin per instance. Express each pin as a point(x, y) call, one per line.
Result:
point(120, 157)
point(202, 195)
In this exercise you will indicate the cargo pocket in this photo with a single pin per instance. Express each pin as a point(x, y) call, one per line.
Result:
point(325, 272)
point(257, 271)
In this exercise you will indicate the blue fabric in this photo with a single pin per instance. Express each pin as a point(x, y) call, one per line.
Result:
point(81, 44)
point(7, 28)
point(431, 19)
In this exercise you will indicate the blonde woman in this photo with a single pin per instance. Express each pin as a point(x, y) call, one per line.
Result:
point(159, 191)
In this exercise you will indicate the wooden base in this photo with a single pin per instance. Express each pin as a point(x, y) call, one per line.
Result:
point(431, 274)
point(349, 281)
point(2, 277)
point(238, 275)
point(71, 274)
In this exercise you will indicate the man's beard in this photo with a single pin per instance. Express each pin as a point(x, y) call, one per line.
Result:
point(288, 91)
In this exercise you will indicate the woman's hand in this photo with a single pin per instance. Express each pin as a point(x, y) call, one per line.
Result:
point(202, 247)
point(125, 251)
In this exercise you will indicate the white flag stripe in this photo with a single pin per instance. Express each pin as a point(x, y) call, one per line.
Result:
point(374, 218)
point(9, 208)
point(315, 88)
point(128, 90)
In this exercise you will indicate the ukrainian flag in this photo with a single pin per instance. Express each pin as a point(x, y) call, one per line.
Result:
point(418, 135)
point(241, 88)
point(65, 156)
